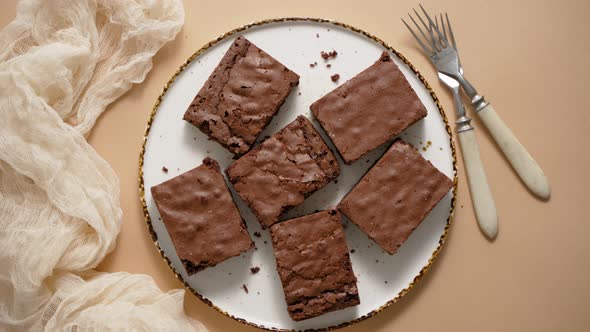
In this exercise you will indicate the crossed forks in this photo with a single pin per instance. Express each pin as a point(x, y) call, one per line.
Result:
point(438, 41)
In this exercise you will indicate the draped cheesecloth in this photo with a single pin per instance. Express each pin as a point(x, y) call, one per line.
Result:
point(61, 63)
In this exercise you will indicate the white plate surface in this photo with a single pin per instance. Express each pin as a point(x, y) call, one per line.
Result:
point(179, 146)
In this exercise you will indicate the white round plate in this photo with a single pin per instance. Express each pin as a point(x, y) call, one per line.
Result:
point(177, 145)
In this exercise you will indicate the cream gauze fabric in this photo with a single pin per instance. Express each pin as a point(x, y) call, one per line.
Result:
point(61, 63)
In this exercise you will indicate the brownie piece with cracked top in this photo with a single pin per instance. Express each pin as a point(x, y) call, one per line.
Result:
point(241, 96)
point(395, 196)
point(314, 265)
point(201, 217)
point(283, 170)
point(369, 109)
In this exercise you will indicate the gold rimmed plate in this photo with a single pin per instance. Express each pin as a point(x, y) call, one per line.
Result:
point(172, 143)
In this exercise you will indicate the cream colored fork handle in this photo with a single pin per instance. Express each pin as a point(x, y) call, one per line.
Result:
point(481, 195)
point(527, 168)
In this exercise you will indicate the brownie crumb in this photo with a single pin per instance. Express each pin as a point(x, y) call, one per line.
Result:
point(265, 242)
point(258, 293)
point(164, 169)
point(328, 55)
point(376, 261)
point(257, 234)
point(335, 77)
point(317, 35)
point(385, 281)
point(352, 251)
point(311, 65)
point(336, 181)
point(254, 269)
point(328, 65)
point(255, 248)
point(299, 93)
point(368, 161)
point(245, 288)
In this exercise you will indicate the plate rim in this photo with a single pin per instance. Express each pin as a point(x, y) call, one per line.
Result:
point(245, 27)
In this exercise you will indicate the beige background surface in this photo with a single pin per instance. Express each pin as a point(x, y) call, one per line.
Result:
point(530, 58)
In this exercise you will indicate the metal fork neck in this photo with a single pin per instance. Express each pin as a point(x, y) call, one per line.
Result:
point(477, 100)
point(463, 122)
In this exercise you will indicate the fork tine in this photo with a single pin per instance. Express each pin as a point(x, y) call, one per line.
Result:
point(429, 41)
point(451, 32)
point(433, 27)
point(444, 29)
point(426, 50)
point(442, 41)
point(428, 28)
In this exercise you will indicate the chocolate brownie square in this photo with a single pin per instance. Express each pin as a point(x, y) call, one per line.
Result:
point(241, 96)
point(283, 170)
point(369, 109)
point(395, 195)
point(314, 265)
point(201, 217)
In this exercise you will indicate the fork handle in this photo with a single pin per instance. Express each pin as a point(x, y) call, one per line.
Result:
point(523, 163)
point(481, 195)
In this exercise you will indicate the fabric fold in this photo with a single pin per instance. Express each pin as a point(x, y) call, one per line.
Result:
point(62, 63)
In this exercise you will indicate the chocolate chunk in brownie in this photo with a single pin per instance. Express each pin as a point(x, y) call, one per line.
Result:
point(201, 217)
point(369, 109)
point(241, 96)
point(314, 265)
point(283, 170)
point(395, 195)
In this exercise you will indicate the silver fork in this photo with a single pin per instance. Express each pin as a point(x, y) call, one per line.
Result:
point(445, 58)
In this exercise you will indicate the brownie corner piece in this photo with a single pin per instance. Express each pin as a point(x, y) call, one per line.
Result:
point(241, 96)
point(283, 170)
point(314, 265)
point(201, 218)
point(395, 196)
point(368, 110)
